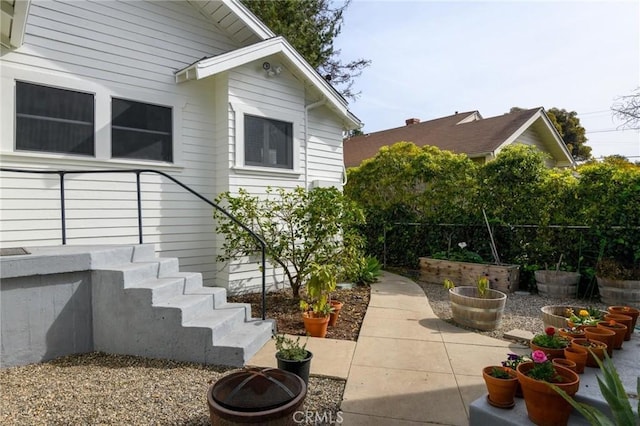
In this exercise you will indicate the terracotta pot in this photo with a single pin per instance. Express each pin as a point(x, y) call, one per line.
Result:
point(333, 316)
point(501, 391)
point(550, 352)
point(578, 355)
point(578, 333)
point(619, 329)
point(597, 347)
point(603, 335)
point(622, 319)
point(628, 311)
point(316, 327)
point(545, 407)
point(566, 363)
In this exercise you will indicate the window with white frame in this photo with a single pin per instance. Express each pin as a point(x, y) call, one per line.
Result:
point(268, 142)
point(54, 120)
point(141, 131)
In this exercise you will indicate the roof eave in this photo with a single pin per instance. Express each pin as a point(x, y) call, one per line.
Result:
point(17, 15)
point(277, 45)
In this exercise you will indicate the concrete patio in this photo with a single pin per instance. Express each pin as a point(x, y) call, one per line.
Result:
point(408, 367)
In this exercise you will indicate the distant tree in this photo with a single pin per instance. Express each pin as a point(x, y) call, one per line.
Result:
point(354, 133)
point(311, 27)
point(568, 125)
point(627, 109)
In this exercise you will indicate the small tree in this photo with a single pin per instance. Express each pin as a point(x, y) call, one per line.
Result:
point(299, 228)
point(627, 110)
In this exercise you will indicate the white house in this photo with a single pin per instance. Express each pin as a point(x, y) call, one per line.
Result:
point(200, 90)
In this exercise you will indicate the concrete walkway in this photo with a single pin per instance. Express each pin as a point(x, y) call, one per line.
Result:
point(408, 367)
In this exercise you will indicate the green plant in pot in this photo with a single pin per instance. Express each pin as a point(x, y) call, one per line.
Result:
point(550, 342)
point(317, 306)
point(292, 356)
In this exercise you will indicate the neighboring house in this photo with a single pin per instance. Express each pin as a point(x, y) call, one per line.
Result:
point(201, 90)
point(468, 133)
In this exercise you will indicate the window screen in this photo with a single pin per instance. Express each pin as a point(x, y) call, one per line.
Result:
point(141, 131)
point(54, 120)
point(268, 143)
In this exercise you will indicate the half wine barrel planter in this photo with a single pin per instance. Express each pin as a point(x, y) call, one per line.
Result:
point(619, 292)
point(545, 407)
point(472, 310)
point(557, 283)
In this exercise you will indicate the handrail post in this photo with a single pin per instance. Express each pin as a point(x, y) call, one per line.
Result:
point(139, 205)
point(264, 282)
point(63, 215)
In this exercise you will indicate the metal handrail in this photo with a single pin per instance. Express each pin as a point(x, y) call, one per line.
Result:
point(138, 172)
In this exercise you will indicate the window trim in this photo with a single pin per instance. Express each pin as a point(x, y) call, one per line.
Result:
point(239, 111)
point(102, 97)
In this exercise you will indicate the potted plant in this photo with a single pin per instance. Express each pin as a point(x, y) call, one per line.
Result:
point(604, 335)
point(544, 405)
point(293, 357)
point(628, 311)
point(571, 332)
point(550, 343)
point(616, 327)
point(316, 310)
point(588, 317)
point(595, 349)
point(512, 362)
point(578, 355)
point(622, 319)
point(477, 307)
point(501, 384)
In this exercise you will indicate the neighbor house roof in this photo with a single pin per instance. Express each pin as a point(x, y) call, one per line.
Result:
point(294, 61)
point(463, 133)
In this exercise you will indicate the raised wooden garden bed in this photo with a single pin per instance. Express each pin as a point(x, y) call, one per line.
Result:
point(504, 278)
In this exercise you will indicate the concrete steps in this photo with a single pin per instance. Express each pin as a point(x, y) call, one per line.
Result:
point(147, 307)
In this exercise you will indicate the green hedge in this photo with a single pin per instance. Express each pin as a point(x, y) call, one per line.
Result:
point(420, 201)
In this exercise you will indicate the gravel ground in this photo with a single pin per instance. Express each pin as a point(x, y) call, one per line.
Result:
point(101, 389)
point(522, 311)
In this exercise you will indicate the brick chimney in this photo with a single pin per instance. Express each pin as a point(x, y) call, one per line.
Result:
point(410, 121)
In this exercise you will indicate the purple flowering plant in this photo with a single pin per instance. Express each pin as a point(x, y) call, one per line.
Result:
point(514, 359)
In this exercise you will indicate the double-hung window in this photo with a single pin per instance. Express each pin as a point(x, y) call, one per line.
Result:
point(141, 131)
point(268, 142)
point(54, 120)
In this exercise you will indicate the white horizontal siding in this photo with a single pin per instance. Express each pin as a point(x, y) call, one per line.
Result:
point(118, 48)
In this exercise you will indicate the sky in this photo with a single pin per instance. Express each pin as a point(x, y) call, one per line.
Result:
point(430, 59)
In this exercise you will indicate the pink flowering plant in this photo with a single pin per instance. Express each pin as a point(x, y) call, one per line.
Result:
point(543, 368)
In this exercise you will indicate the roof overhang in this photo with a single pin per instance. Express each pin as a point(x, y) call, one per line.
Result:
point(550, 138)
point(235, 19)
point(13, 20)
point(275, 46)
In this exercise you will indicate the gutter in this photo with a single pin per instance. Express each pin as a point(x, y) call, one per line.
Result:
point(306, 138)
